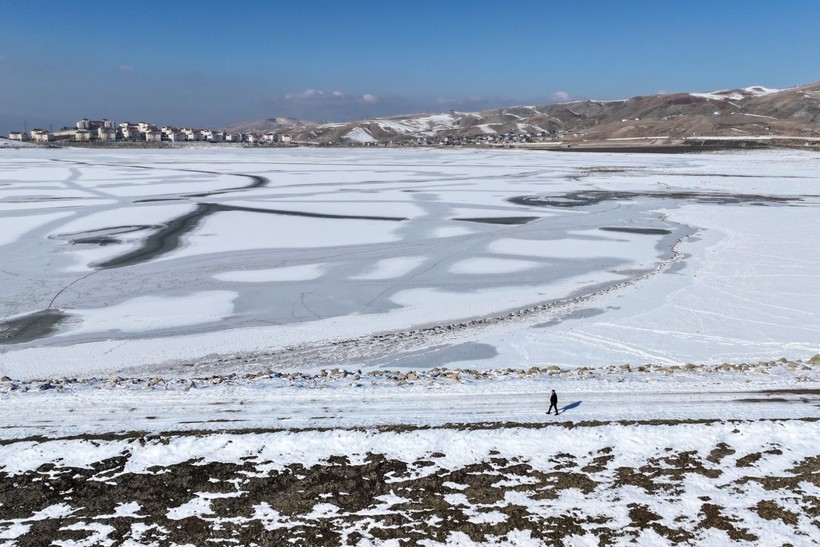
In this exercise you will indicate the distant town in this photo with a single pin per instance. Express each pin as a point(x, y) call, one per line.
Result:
point(107, 131)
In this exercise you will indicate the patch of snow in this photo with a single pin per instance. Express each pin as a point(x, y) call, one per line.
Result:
point(359, 134)
point(200, 505)
point(758, 116)
point(516, 116)
point(147, 313)
point(270, 518)
point(8, 143)
point(737, 95)
point(237, 231)
point(490, 266)
point(286, 273)
point(99, 536)
point(422, 125)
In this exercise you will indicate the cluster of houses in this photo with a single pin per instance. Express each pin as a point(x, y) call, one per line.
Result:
point(495, 138)
point(107, 131)
point(468, 140)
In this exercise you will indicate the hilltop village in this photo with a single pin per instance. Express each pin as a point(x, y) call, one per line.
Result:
point(105, 131)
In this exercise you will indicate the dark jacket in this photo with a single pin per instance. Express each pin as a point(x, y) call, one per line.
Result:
point(554, 399)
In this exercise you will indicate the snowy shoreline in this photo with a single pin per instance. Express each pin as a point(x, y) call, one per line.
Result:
point(343, 399)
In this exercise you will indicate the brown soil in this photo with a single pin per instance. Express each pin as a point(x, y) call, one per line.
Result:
point(257, 503)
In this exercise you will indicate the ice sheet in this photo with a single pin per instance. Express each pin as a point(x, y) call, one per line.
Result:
point(744, 288)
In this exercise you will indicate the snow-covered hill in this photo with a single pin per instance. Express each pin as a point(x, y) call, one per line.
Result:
point(748, 112)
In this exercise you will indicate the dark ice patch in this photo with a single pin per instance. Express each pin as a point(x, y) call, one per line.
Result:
point(585, 198)
point(256, 182)
point(103, 236)
point(101, 240)
point(30, 327)
point(499, 220)
point(439, 356)
point(630, 230)
point(577, 314)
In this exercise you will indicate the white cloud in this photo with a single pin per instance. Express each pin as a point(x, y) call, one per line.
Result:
point(333, 97)
point(126, 68)
point(560, 97)
point(305, 95)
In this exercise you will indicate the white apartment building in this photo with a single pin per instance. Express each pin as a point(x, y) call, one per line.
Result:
point(40, 135)
point(131, 132)
point(106, 134)
point(194, 134)
point(93, 125)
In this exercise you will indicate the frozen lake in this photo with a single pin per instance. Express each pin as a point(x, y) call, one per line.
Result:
point(194, 261)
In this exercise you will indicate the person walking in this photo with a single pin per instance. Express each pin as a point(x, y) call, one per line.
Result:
point(553, 402)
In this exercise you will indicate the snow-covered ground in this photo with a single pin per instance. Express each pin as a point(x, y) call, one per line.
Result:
point(704, 482)
point(356, 347)
point(341, 398)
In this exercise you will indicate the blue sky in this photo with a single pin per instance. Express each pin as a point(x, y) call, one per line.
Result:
point(207, 63)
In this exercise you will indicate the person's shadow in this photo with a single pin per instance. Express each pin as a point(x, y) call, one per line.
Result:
point(570, 406)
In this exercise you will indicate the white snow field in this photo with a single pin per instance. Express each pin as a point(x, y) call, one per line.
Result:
point(357, 346)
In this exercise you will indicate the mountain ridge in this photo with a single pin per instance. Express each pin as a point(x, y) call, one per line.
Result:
point(753, 112)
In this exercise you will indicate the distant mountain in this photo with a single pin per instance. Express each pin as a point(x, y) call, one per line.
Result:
point(269, 124)
point(752, 112)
